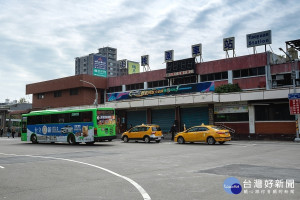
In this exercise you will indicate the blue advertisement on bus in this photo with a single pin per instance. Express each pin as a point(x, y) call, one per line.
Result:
point(83, 132)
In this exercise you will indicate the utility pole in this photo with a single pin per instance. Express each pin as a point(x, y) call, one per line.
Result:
point(96, 95)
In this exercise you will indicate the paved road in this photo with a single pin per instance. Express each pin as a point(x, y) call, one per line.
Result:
point(129, 171)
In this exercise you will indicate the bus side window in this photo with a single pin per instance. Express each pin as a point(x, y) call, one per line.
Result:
point(87, 116)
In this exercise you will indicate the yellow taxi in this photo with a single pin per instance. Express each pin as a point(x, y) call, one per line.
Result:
point(145, 132)
point(204, 133)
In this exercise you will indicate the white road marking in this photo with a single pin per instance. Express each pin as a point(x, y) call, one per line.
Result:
point(2, 167)
point(135, 184)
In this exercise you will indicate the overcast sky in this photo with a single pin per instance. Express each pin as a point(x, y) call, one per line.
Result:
point(40, 39)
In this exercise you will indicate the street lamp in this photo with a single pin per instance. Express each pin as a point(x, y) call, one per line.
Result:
point(96, 97)
point(297, 139)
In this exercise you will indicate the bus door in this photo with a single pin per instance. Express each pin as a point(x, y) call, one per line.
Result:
point(24, 129)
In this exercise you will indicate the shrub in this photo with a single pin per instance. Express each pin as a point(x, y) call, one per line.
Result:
point(227, 88)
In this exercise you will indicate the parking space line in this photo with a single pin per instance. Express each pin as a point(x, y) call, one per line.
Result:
point(135, 184)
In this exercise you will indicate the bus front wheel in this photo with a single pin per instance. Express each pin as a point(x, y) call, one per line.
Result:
point(71, 139)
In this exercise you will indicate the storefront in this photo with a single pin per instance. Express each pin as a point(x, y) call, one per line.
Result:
point(194, 116)
point(164, 118)
point(136, 118)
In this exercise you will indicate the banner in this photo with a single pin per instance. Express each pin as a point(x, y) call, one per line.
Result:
point(100, 66)
point(180, 89)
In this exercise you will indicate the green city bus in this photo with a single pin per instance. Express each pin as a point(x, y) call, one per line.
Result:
point(73, 126)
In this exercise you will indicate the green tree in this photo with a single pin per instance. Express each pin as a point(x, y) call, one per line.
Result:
point(22, 100)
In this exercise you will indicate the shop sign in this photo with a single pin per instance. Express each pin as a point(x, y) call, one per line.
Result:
point(180, 73)
point(294, 101)
point(231, 108)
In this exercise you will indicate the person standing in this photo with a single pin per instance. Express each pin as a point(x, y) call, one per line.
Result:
point(1, 132)
point(8, 132)
point(13, 131)
point(173, 131)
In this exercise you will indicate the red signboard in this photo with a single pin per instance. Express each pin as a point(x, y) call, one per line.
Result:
point(294, 106)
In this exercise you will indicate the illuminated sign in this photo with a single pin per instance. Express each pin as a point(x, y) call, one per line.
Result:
point(145, 60)
point(133, 67)
point(260, 38)
point(100, 66)
point(228, 44)
point(169, 56)
point(180, 67)
point(196, 50)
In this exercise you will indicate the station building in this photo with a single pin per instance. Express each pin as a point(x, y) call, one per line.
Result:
point(187, 96)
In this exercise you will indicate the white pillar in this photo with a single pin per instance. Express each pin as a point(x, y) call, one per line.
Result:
point(230, 77)
point(251, 119)
point(145, 85)
point(123, 88)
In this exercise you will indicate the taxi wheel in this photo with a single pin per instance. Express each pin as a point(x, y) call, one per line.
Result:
point(211, 140)
point(221, 142)
point(146, 139)
point(125, 139)
point(180, 140)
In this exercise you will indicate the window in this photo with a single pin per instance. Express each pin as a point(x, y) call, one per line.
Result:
point(214, 76)
point(41, 95)
point(34, 120)
point(224, 75)
point(57, 93)
point(244, 72)
point(261, 71)
point(135, 129)
point(253, 72)
point(232, 117)
point(236, 73)
point(218, 76)
point(273, 112)
point(203, 129)
point(74, 91)
point(282, 80)
point(256, 71)
point(210, 77)
point(46, 119)
point(75, 117)
point(185, 80)
point(114, 89)
point(135, 86)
